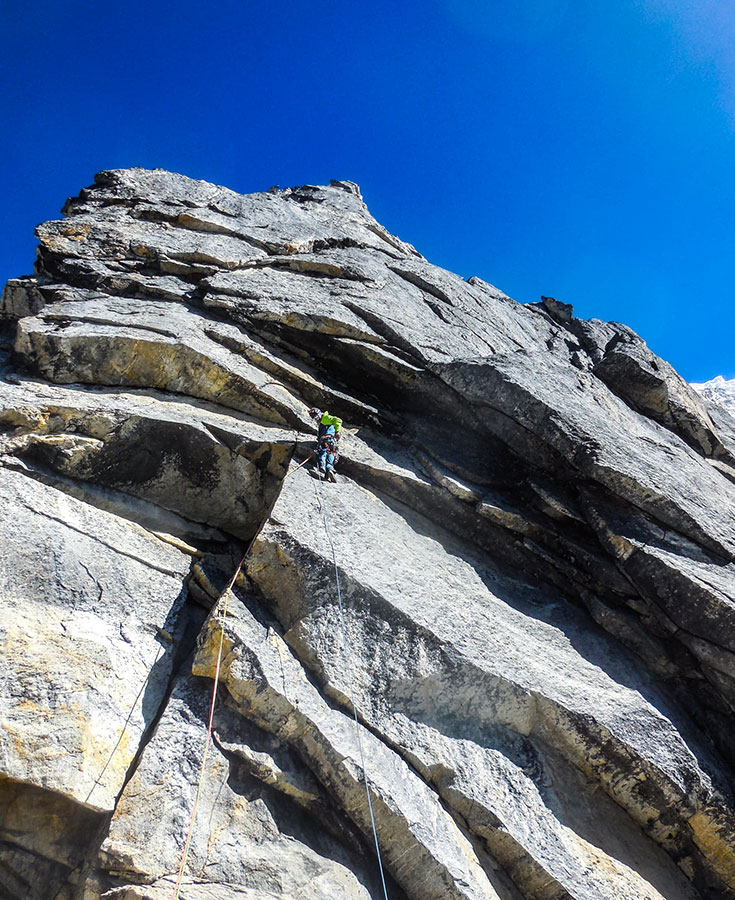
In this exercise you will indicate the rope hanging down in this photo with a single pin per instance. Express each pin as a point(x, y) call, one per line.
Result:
point(225, 593)
point(346, 650)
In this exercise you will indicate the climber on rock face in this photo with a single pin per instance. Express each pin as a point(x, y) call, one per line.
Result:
point(327, 449)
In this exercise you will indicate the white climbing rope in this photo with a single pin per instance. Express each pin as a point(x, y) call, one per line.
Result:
point(346, 651)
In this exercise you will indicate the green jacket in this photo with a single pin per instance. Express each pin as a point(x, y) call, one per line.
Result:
point(327, 420)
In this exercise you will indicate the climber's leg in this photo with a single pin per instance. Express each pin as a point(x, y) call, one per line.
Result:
point(322, 456)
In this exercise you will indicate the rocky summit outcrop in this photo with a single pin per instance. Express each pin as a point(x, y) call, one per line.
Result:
point(524, 579)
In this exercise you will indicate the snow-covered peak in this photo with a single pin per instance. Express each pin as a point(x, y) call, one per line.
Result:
point(718, 390)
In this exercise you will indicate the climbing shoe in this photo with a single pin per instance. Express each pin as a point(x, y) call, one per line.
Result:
point(331, 476)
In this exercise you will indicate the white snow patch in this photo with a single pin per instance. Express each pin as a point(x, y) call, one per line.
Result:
point(718, 390)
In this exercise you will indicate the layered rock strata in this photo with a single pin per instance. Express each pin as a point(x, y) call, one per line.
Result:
point(524, 579)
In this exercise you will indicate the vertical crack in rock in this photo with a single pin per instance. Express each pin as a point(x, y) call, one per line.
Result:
point(423, 848)
point(257, 815)
point(97, 622)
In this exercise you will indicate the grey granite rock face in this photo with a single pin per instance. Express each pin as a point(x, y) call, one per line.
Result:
point(532, 540)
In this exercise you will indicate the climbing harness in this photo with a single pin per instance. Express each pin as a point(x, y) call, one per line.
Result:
point(328, 446)
point(346, 651)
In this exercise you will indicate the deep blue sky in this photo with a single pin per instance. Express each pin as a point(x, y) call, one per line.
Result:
point(573, 148)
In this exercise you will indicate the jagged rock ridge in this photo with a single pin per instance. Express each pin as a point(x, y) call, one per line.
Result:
point(535, 536)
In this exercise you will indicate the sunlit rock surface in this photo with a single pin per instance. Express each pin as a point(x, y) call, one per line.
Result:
point(533, 535)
